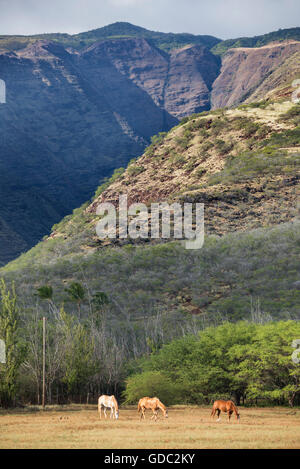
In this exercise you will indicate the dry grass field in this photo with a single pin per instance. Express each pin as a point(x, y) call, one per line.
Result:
point(187, 428)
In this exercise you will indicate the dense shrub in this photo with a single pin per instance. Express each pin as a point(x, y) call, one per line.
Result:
point(241, 360)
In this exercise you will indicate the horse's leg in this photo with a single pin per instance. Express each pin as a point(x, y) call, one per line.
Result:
point(111, 412)
point(213, 413)
point(104, 410)
point(218, 415)
point(100, 411)
point(229, 414)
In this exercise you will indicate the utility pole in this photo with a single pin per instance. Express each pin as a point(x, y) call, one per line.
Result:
point(44, 362)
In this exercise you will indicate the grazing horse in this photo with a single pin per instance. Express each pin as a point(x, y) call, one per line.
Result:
point(108, 402)
point(154, 404)
point(224, 406)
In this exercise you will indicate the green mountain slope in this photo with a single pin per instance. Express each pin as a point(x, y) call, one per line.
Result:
point(258, 41)
point(80, 106)
point(244, 165)
point(118, 30)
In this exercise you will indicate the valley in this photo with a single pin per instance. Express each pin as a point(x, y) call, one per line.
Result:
point(78, 107)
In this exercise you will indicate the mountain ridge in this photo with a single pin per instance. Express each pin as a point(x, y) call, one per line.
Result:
point(119, 30)
point(73, 116)
point(166, 41)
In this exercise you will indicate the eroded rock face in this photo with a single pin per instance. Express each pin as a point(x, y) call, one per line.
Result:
point(192, 71)
point(69, 121)
point(71, 118)
point(179, 82)
point(244, 70)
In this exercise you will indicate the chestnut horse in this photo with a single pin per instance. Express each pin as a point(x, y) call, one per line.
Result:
point(154, 404)
point(224, 406)
point(108, 402)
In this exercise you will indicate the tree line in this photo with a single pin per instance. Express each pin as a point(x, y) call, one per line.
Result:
point(88, 350)
point(248, 362)
point(94, 353)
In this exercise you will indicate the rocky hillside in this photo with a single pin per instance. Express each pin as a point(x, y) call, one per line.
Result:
point(249, 74)
point(80, 106)
point(179, 82)
point(243, 164)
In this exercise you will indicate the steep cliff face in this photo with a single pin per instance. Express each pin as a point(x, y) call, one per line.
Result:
point(192, 71)
point(69, 120)
point(72, 117)
point(179, 82)
point(245, 70)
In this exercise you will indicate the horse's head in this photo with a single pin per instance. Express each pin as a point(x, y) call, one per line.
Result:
point(166, 414)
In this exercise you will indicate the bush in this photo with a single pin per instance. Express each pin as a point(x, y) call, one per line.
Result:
point(177, 160)
point(292, 114)
point(117, 174)
point(224, 147)
point(152, 384)
point(267, 161)
point(134, 170)
point(224, 361)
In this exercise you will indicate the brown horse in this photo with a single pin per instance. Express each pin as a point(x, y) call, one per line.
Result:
point(224, 406)
point(154, 404)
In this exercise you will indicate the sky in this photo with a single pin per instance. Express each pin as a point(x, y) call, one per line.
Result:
point(221, 18)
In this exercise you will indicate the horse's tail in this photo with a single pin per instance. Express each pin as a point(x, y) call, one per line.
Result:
point(139, 406)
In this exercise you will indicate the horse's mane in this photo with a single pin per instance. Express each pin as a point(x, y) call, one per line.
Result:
point(162, 406)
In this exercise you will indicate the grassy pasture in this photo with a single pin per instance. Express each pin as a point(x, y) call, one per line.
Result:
point(187, 427)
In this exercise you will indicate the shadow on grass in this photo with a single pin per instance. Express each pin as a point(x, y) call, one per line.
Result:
point(50, 408)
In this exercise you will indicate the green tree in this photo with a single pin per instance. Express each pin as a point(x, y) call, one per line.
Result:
point(15, 351)
point(79, 364)
point(241, 360)
point(99, 302)
point(100, 299)
point(152, 384)
point(76, 293)
point(45, 292)
point(267, 364)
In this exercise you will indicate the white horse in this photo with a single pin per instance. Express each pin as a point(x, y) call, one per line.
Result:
point(108, 402)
